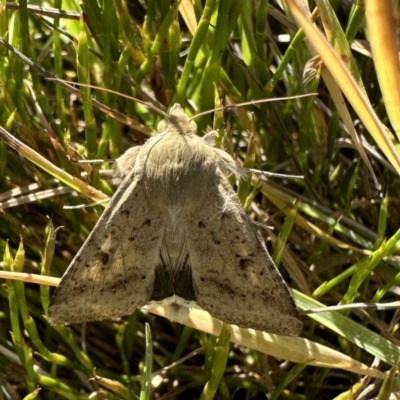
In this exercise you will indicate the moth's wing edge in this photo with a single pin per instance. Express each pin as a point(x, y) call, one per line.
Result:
point(234, 278)
point(113, 272)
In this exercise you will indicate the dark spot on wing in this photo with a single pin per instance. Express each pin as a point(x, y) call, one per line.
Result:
point(147, 222)
point(201, 224)
point(79, 288)
point(119, 284)
point(244, 263)
point(103, 257)
point(125, 213)
point(266, 296)
point(131, 239)
point(79, 259)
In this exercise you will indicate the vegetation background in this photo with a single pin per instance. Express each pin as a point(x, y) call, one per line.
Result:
point(334, 234)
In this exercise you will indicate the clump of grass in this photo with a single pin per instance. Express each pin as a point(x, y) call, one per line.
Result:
point(335, 232)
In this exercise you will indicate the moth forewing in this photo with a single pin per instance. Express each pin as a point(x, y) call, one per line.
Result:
point(175, 234)
point(236, 281)
point(113, 273)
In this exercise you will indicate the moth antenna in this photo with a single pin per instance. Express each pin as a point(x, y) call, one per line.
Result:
point(253, 102)
point(145, 103)
point(66, 85)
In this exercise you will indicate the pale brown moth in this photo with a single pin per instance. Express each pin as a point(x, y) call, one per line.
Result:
point(175, 234)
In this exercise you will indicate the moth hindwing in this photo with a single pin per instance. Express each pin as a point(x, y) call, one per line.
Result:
point(175, 233)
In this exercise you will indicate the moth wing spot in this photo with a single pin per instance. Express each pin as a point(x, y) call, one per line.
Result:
point(125, 213)
point(244, 263)
point(103, 257)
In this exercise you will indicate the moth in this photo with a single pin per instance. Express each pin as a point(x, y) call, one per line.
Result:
point(175, 234)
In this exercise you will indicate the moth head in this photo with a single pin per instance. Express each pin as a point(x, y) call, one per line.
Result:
point(177, 121)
